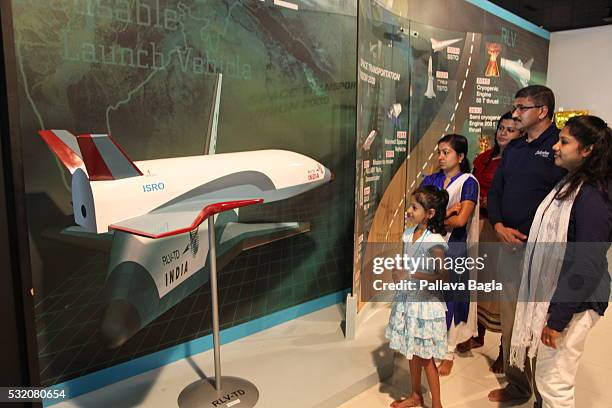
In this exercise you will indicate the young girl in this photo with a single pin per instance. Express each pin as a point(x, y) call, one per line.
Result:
point(462, 220)
point(417, 326)
point(566, 285)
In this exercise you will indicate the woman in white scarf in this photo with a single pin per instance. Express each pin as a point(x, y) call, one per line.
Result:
point(548, 323)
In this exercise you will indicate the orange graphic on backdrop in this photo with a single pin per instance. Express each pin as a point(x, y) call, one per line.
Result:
point(493, 49)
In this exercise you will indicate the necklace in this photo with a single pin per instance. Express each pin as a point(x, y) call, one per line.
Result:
point(419, 239)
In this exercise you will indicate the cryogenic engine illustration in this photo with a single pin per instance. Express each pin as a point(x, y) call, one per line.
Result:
point(155, 211)
point(493, 51)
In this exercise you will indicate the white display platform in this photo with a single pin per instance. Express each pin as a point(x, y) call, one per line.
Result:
point(303, 363)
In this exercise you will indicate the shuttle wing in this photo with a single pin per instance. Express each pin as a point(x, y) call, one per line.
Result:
point(236, 237)
point(178, 218)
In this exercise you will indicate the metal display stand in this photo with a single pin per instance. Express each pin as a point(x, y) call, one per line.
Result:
point(226, 391)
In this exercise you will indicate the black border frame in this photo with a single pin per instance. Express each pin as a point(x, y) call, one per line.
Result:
point(18, 343)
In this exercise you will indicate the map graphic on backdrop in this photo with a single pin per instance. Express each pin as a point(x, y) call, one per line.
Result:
point(421, 78)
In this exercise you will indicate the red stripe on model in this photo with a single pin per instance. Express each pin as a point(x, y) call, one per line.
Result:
point(67, 156)
point(96, 167)
point(132, 231)
point(124, 154)
point(206, 212)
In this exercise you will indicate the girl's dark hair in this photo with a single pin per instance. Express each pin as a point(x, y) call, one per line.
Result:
point(431, 197)
point(593, 132)
point(496, 147)
point(459, 144)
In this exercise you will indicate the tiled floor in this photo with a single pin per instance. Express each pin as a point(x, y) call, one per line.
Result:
point(309, 354)
point(471, 381)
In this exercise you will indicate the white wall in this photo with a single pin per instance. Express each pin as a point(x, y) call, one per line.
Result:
point(580, 70)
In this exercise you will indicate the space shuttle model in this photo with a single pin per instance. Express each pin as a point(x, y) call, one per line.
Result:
point(429, 93)
point(155, 210)
point(438, 46)
point(519, 71)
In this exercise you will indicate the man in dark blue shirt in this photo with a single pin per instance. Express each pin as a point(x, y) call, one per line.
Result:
point(525, 176)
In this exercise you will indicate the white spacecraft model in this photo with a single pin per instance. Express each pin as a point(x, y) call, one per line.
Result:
point(155, 211)
point(147, 203)
point(164, 197)
point(429, 93)
point(438, 46)
point(369, 140)
point(394, 111)
point(519, 71)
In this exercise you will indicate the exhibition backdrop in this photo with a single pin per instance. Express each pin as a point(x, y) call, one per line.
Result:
point(427, 69)
point(144, 70)
point(293, 79)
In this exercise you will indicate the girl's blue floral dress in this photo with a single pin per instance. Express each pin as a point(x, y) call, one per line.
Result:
point(417, 325)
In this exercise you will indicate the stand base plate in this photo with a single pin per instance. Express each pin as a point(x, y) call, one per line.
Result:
point(235, 393)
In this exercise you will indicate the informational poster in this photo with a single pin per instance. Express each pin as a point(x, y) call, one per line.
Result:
point(382, 130)
point(449, 67)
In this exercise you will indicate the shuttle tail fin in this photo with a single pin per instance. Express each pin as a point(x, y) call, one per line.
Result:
point(210, 145)
point(64, 145)
point(105, 159)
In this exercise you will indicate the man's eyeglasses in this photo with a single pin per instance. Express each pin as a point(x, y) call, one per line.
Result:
point(522, 108)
